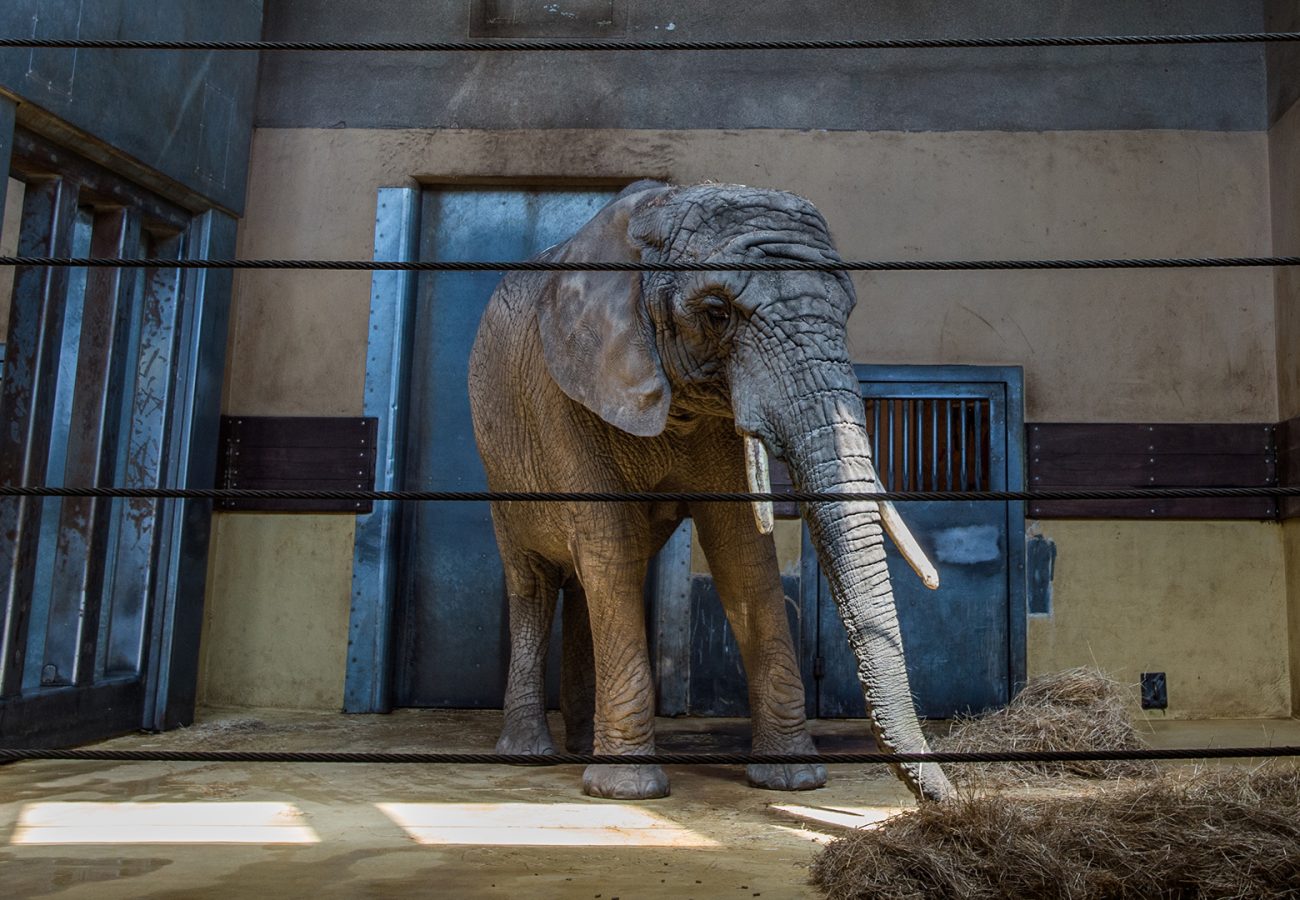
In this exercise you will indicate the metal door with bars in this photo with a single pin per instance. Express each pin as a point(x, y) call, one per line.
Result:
point(931, 428)
point(111, 377)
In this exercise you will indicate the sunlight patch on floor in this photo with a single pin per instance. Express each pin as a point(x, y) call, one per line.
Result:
point(194, 822)
point(539, 825)
point(841, 816)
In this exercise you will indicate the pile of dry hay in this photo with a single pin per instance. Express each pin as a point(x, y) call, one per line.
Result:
point(1078, 709)
point(1216, 833)
point(1222, 832)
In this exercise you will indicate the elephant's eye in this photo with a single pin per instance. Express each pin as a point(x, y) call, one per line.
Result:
point(716, 309)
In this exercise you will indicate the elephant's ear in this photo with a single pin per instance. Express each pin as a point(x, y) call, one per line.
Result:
point(596, 333)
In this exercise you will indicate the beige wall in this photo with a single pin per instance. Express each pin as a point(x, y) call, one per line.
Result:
point(1203, 602)
point(1096, 346)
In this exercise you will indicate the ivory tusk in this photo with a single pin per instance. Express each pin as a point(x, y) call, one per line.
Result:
point(907, 545)
point(759, 479)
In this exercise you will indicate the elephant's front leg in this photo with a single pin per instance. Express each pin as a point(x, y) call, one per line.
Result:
point(748, 580)
point(612, 573)
point(532, 586)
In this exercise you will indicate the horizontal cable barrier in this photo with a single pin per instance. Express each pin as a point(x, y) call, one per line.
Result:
point(770, 265)
point(494, 46)
point(1172, 493)
point(667, 759)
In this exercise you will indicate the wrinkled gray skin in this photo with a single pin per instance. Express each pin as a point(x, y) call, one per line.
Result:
point(601, 381)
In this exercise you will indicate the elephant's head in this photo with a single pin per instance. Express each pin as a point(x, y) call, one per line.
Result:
point(764, 348)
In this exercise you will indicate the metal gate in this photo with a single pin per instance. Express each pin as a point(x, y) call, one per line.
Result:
point(111, 377)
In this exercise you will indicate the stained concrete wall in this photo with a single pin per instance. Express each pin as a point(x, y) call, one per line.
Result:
point(1209, 87)
point(1204, 602)
point(1107, 346)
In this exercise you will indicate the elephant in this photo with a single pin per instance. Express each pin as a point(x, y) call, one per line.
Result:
point(665, 381)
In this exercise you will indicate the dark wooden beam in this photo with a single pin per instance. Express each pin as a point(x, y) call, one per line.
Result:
point(1079, 456)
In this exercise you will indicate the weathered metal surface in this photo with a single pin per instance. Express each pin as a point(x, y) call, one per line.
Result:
point(1073, 456)
point(140, 462)
point(287, 452)
point(388, 354)
point(184, 527)
point(64, 388)
point(77, 586)
point(27, 407)
point(668, 593)
point(65, 716)
point(179, 123)
point(37, 157)
point(452, 638)
point(1040, 567)
point(965, 641)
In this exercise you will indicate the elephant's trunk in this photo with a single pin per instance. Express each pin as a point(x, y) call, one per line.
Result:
point(826, 446)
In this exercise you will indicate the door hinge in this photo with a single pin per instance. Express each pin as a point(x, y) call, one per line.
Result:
point(819, 667)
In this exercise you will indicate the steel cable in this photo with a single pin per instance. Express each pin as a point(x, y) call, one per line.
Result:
point(668, 759)
point(771, 265)
point(1168, 493)
point(571, 45)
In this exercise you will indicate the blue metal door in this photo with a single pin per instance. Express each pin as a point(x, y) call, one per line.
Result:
point(451, 628)
point(937, 429)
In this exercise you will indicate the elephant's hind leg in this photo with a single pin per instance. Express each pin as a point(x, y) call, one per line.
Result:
point(577, 672)
point(532, 585)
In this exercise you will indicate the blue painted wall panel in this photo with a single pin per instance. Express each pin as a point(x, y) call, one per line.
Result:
point(186, 115)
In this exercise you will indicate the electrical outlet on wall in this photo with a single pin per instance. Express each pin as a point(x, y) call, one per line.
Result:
point(1155, 693)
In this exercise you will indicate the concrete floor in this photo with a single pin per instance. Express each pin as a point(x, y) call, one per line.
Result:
point(200, 830)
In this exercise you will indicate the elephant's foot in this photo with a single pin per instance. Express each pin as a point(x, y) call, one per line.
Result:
point(625, 782)
point(778, 777)
point(526, 738)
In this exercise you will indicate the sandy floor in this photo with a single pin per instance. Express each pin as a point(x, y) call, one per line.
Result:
point(202, 830)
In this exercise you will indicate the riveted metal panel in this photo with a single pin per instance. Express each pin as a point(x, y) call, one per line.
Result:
point(191, 456)
point(27, 407)
point(388, 356)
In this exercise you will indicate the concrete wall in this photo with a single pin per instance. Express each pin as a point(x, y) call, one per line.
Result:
point(1204, 602)
point(1212, 87)
point(1107, 346)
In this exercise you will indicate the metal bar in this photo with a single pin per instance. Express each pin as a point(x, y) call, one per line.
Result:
point(965, 463)
point(376, 544)
point(658, 46)
point(770, 265)
point(77, 587)
point(26, 407)
point(905, 413)
point(51, 514)
point(979, 407)
point(193, 422)
point(141, 464)
point(934, 445)
point(875, 438)
point(889, 478)
point(947, 420)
